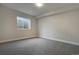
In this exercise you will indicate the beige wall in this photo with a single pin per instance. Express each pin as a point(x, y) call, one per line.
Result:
point(8, 29)
point(63, 27)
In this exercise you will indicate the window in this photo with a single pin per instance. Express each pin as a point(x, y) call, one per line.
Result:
point(23, 23)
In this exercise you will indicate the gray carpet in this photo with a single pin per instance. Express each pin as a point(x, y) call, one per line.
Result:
point(38, 46)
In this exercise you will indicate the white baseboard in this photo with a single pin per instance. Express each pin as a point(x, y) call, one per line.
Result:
point(16, 39)
point(69, 42)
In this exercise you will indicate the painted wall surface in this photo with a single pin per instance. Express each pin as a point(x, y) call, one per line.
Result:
point(8, 26)
point(63, 26)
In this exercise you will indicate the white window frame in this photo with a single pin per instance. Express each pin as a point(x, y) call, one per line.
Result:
point(24, 19)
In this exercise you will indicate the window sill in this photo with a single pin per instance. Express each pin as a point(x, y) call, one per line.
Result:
point(22, 29)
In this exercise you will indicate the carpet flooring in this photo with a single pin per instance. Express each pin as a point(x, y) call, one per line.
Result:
point(38, 46)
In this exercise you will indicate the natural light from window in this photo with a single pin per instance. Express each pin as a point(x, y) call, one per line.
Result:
point(23, 23)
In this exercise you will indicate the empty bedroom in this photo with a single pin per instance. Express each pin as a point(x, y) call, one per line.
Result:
point(39, 28)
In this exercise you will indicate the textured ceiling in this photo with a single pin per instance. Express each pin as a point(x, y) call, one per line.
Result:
point(33, 10)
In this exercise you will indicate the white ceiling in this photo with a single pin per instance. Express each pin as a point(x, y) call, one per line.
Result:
point(33, 10)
